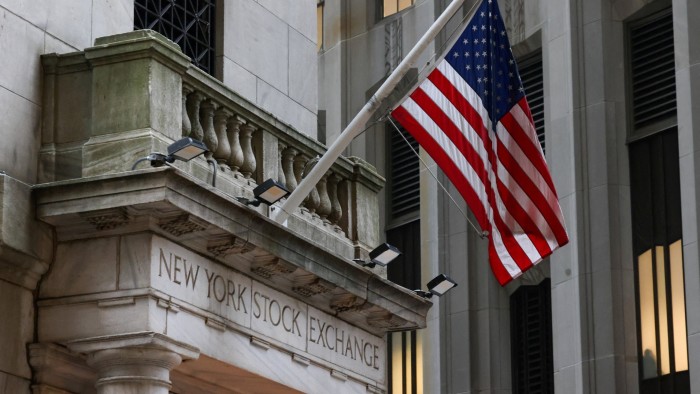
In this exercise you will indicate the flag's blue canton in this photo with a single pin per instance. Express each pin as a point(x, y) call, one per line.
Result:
point(483, 57)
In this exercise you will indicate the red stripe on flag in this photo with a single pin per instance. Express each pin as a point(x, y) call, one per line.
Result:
point(453, 132)
point(502, 275)
point(525, 183)
point(531, 151)
point(445, 163)
point(524, 220)
point(462, 104)
point(511, 244)
point(474, 118)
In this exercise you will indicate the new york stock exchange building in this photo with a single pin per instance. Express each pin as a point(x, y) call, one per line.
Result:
point(120, 277)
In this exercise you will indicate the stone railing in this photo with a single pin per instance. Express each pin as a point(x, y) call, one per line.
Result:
point(246, 148)
point(135, 93)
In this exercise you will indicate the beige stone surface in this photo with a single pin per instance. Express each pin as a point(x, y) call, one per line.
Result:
point(25, 244)
point(16, 332)
point(72, 319)
point(82, 267)
point(13, 384)
point(24, 120)
point(196, 280)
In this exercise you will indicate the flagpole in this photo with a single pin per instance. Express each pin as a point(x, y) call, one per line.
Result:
point(355, 127)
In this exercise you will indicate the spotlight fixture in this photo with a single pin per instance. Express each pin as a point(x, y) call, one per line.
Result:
point(382, 255)
point(185, 149)
point(268, 192)
point(438, 286)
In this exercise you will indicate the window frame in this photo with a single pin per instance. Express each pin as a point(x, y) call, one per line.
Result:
point(194, 46)
point(381, 4)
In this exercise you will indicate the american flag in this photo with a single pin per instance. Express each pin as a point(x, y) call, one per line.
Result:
point(471, 115)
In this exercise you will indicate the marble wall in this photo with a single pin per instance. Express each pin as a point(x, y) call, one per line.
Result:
point(32, 28)
point(269, 57)
point(593, 294)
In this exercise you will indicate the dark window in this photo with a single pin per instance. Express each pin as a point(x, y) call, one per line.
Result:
point(188, 23)
point(531, 74)
point(656, 207)
point(653, 74)
point(403, 366)
point(658, 251)
point(531, 339)
point(404, 174)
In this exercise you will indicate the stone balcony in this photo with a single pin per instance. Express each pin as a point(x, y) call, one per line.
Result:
point(168, 265)
point(135, 93)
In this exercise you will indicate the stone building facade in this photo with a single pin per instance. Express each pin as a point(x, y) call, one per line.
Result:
point(115, 279)
point(617, 81)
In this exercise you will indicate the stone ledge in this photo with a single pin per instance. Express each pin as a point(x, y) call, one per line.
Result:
point(139, 201)
point(26, 245)
point(56, 367)
point(144, 339)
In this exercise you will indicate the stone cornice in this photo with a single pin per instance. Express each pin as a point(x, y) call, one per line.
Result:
point(177, 207)
point(26, 245)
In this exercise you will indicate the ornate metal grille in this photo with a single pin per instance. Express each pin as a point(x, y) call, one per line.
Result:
point(188, 23)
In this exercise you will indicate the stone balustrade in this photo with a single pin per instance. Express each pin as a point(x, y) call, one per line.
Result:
point(136, 93)
point(237, 142)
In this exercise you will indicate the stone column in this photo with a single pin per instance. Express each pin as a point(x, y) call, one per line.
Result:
point(687, 52)
point(135, 362)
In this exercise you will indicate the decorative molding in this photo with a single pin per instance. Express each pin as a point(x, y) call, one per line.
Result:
point(58, 370)
point(229, 245)
point(347, 303)
point(182, 225)
point(386, 320)
point(374, 389)
point(515, 20)
point(117, 302)
point(301, 360)
point(107, 219)
point(269, 266)
point(310, 285)
point(392, 45)
point(259, 343)
point(339, 375)
point(215, 324)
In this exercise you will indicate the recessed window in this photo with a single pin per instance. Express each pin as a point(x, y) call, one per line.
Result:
point(530, 68)
point(188, 23)
point(658, 250)
point(531, 339)
point(404, 174)
point(391, 7)
point(405, 362)
point(662, 345)
point(319, 25)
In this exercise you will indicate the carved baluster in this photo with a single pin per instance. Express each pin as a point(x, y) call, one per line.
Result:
point(336, 208)
point(223, 151)
point(300, 161)
point(249, 163)
point(186, 124)
point(207, 115)
point(193, 101)
point(324, 206)
point(234, 128)
point(280, 171)
point(288, 156)
point(314, 201)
